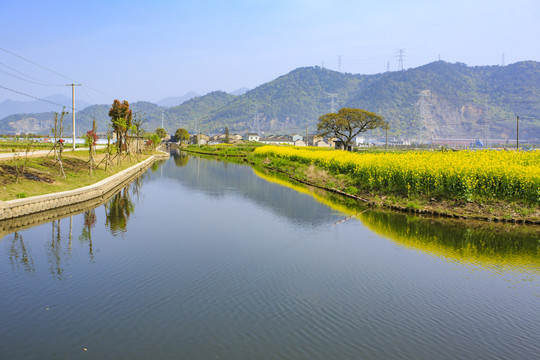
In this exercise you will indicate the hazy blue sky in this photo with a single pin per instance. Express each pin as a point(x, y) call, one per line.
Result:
point(148, 50)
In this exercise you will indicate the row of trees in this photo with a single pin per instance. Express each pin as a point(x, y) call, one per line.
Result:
point(345, 125)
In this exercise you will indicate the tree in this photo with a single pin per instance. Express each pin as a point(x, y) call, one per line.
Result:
point(121, 117)
point(227, 135)
point(152, 141)
point(161, 133)
point(181, 135)
point(347, 123)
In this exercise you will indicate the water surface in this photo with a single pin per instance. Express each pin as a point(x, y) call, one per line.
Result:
point(205, 259)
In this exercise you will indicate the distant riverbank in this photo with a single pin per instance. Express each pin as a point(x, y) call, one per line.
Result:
point(463, 205)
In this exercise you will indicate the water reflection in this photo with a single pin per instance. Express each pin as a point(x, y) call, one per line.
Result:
point(118, 210)
point(218, 178)
point(19, 255)
point(180, 158)
point(59, 243)
point(494, 246)
point(86, 234)
point(58, 252)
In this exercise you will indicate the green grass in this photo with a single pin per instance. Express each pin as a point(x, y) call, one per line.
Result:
point(43, 168)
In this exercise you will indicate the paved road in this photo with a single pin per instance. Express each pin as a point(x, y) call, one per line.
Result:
point(38, 153)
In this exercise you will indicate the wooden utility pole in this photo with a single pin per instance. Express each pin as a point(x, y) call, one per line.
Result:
point(386, 145)
point(73, 110)
point(517, 133)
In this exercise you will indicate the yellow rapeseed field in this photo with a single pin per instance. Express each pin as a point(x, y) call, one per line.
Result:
point(466, 174)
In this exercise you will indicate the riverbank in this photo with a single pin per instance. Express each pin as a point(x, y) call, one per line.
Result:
point(94, 187)
point(484, 208)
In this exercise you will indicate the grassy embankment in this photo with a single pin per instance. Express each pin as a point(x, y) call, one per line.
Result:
point(41, 175)
point(499, 185)
point(233, 150)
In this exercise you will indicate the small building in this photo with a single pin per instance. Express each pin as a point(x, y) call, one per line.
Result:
point(296, 137)
point(277, 140)
point(299, 143)
point(339, 145)
point(251, 137)
point(321, 143)
point(200, 139)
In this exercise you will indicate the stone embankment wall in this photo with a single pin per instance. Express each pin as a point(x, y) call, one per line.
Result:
point(36, 204)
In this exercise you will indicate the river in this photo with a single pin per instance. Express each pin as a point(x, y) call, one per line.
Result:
point(207, 259)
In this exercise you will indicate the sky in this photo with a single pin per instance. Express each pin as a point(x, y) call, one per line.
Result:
point(149, 50)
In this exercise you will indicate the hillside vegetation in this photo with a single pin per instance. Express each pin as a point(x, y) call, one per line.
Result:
point(437, 100)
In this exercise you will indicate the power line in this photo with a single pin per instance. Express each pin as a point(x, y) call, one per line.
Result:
point(36, 80)
point(36, 64)
point(33, 97)
point(54, 72)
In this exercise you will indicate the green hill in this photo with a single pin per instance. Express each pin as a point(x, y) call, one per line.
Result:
point(437, 100)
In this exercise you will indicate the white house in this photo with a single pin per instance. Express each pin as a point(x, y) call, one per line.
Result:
point(251, 137)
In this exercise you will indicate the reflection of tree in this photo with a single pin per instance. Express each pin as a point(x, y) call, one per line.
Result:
point(180, 158)
point(118, 211)
point(55, 251)
point(18, 254)
point(136, 187)
point(86, 234)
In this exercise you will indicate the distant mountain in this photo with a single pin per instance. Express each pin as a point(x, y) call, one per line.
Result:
point(437, 100)
point(186, 115)
point(177, 100)
point(240, 91)
point(432, 101)
point(8, 107)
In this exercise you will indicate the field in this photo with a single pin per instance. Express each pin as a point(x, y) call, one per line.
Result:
point(467, 175)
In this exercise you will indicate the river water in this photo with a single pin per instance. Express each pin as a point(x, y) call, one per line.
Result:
point(206, 259)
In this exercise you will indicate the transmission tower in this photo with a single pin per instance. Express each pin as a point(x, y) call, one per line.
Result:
point(339, 63)
point(256, 126)
point(400, 55)
point(333, 102)
point(388, 66)
point(502, 59)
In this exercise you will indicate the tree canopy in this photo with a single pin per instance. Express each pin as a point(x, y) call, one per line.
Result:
point(347, 123)
point(161, 133)
point(121, 116)
point(181, 135)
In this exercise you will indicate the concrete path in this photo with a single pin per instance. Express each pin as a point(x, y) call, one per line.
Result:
point(39, 153)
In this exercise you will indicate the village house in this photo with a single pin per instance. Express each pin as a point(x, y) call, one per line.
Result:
point(277, 140)
point(200, 139)
point(251, 137)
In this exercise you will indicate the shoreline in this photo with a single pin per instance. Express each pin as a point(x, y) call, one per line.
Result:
point(404, 209)
point(17, 208)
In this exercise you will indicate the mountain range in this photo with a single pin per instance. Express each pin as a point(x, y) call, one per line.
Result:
point(437, 100)
point(52, 103)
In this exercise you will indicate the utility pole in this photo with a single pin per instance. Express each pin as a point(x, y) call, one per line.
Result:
point(386, 144)
point(73, 110)
point(517, 133)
